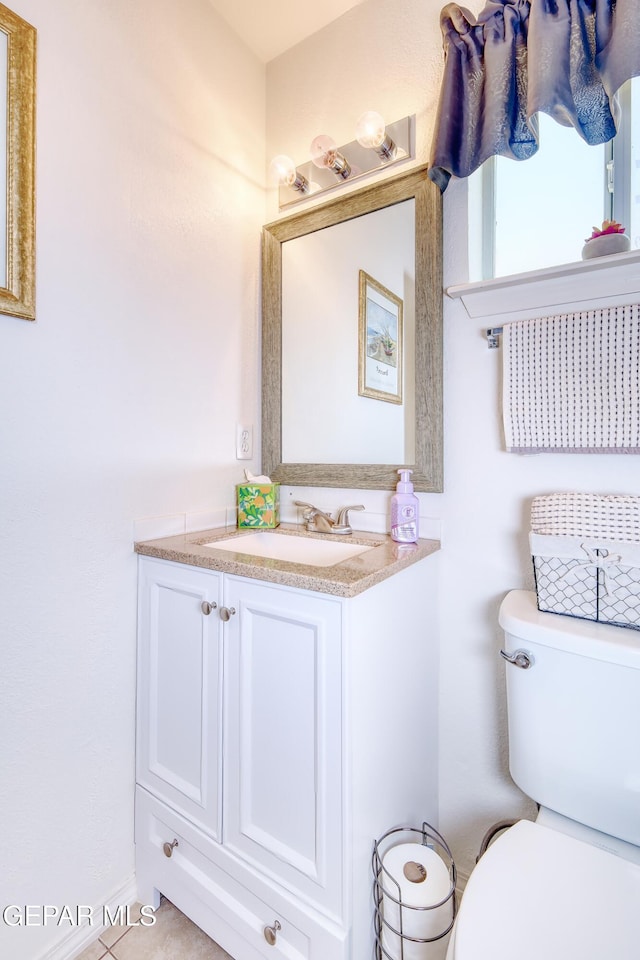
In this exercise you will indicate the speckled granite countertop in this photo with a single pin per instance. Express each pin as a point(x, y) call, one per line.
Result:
point(345, 579)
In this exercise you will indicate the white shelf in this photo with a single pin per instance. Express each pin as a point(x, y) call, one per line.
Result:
point(589, 284)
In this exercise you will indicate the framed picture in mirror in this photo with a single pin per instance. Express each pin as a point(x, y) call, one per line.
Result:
point(380, 354)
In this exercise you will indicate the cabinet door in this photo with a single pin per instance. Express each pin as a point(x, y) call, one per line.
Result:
point(283, 754)
point(179, 690)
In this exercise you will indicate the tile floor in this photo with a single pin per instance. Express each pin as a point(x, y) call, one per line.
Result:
point(172, 937)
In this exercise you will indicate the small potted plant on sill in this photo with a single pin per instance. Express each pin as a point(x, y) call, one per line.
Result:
point(605, 240)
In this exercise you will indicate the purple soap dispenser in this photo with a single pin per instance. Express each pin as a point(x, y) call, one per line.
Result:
point(404, 510)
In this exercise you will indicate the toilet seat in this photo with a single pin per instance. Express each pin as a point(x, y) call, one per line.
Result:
point(538, 893)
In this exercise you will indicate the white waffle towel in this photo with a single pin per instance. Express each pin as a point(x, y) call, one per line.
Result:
point(571, 383)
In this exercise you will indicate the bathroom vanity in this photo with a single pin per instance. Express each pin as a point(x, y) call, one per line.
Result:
point(286, 718)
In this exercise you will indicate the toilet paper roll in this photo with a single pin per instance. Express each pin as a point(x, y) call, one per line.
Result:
point(423, 879)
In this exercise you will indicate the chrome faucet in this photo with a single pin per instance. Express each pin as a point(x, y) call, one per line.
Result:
point(318, 521)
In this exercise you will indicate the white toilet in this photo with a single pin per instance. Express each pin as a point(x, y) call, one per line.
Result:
point(567, 886)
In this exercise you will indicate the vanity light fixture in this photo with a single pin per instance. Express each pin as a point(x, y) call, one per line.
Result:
point(377, 145)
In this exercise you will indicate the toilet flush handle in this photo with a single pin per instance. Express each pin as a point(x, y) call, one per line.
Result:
point(520, 658)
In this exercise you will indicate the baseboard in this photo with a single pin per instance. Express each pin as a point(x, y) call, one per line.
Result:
point(79, 938)
point(462, 879)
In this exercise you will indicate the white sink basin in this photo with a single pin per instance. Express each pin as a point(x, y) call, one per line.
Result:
point(294, 549)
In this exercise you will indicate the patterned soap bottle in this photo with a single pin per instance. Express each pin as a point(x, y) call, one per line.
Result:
point(404, 510)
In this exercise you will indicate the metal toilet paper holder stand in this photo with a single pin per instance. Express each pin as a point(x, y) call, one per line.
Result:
point(429, 837)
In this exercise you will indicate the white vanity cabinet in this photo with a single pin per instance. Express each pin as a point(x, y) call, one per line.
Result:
point(279, 732)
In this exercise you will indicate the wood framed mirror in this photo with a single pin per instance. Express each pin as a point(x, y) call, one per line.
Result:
point(317, 427)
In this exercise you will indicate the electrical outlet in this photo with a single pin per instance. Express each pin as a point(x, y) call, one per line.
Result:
point(244, 442)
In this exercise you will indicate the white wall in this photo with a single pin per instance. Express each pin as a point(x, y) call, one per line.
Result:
point(120, 402)
point(387, 56)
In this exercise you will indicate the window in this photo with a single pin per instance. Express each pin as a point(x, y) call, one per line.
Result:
point(537, 213)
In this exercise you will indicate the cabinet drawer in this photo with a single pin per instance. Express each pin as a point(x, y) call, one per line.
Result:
point(234, 909)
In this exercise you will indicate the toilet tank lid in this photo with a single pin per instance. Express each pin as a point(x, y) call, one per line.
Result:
point(540, 893)
point(519, 616)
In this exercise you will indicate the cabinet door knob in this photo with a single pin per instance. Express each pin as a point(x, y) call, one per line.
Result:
point(168, 847)
point(226, 613)
point(207, 607)
point(271, 933)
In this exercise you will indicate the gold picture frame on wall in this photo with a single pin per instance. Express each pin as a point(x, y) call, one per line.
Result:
point(380, 353)
point(17, 118)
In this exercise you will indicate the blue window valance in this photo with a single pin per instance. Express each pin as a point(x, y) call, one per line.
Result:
point(567, 58)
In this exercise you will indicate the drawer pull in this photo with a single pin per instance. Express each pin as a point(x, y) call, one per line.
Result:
point(168, 848)
point(271, 933)
point(207, 607)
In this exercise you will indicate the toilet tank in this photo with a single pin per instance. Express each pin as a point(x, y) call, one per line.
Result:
point(574, 715)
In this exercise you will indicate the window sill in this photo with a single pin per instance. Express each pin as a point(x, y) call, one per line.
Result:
point(589, 284)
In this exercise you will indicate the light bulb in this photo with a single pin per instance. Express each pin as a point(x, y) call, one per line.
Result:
point(371, 133)
point(370, 130)
point(282, 170)
point(325, 154)
point(321, 149)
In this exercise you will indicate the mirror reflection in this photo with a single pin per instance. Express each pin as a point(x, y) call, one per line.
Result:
point(324, 345)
